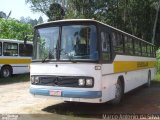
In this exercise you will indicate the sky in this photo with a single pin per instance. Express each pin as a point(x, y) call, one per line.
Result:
point(19, 9)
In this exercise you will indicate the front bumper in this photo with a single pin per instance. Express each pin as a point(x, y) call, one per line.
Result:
point(68, 93)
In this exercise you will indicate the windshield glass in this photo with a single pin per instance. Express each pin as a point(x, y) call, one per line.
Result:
point(79, 42)
point(46, 43)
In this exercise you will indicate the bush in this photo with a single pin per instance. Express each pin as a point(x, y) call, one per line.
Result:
point(13, 29)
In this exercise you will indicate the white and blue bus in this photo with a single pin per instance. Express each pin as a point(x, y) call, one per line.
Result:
point(88, 61)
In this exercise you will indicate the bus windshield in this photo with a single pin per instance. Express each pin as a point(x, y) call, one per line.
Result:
point(77, 42)
point(46, 42)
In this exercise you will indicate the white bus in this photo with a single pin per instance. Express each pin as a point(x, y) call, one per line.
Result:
point(88, 61)
point(15, 57)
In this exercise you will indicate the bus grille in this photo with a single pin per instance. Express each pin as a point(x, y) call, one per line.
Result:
point(58, 81)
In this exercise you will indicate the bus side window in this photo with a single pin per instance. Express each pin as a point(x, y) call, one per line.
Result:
point(154, 51)
point(144, 49)
point(105, 46)
point(128, 45)
point(25, 50)
point(10, 49)
point(117, 39)
point(137, 47)
point(149, 50)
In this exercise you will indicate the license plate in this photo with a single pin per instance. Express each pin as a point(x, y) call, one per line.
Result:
point(55, 92)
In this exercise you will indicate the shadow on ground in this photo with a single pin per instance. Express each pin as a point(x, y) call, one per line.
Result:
point(14, 79)
point(141, 101)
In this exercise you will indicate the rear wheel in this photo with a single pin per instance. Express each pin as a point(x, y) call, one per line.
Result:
point(6, 71)
point(118, 93)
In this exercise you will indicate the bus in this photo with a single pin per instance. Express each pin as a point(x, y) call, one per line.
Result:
point(15, 57)
point(84, 60)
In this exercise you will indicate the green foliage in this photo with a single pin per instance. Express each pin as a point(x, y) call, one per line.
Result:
point(12, 29)
point(39, 5)
point(158, 60)
point(157, 77)
point(51, 8)
point(81, 8)
point(55, 12)
point(137, 17)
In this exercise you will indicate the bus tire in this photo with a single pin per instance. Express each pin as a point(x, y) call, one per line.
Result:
point(148, 84)
point(118, 93)
point(6, 71)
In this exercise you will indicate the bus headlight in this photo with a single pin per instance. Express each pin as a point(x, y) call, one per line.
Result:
point(89, 82)
point(36, 79)
point(81, 82)
point(32, 79)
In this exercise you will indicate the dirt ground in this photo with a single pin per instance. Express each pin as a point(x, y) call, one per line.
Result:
point(16, 99)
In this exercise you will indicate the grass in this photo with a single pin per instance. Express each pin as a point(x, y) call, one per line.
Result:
point(157, 77)
point(14, 79)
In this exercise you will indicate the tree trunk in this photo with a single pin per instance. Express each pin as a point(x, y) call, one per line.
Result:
point(155, 23)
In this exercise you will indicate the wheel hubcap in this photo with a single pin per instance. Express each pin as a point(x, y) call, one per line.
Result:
point(6, 73)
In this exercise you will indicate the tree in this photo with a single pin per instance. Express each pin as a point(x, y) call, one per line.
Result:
point(157, 7)
point(136, 17)
point(40, 20)
point(3, 15)
point(55, 12)
point(12, 29)
point(44, 6)
point(82, 8)
point(28, 20)
point(39, 5)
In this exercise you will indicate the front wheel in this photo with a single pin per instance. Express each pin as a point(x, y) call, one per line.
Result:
point(118, 93)
point(6, 72)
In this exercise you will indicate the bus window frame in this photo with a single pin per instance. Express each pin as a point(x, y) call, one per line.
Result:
point(109, 31)
point(20, 53)
point(60, 25)
point(11, 49)
point(131, 48)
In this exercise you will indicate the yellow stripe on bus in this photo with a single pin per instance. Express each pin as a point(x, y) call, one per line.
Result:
point(125, 66)
point(14, 61)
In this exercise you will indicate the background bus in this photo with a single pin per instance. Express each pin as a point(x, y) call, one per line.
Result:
point(88, 61)
point(14, 57)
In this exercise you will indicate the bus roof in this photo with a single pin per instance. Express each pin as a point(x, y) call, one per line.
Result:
point(90, 20)
point(14, 41)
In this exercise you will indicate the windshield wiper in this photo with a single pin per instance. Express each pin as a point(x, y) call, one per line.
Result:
point(46, 59)
point(70, 57)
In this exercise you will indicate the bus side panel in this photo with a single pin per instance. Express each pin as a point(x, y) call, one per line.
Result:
point(134, 79)
point(108, 88)
point(18, 64)
point(137, 78)
point(20, 69)
point(108, 82)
